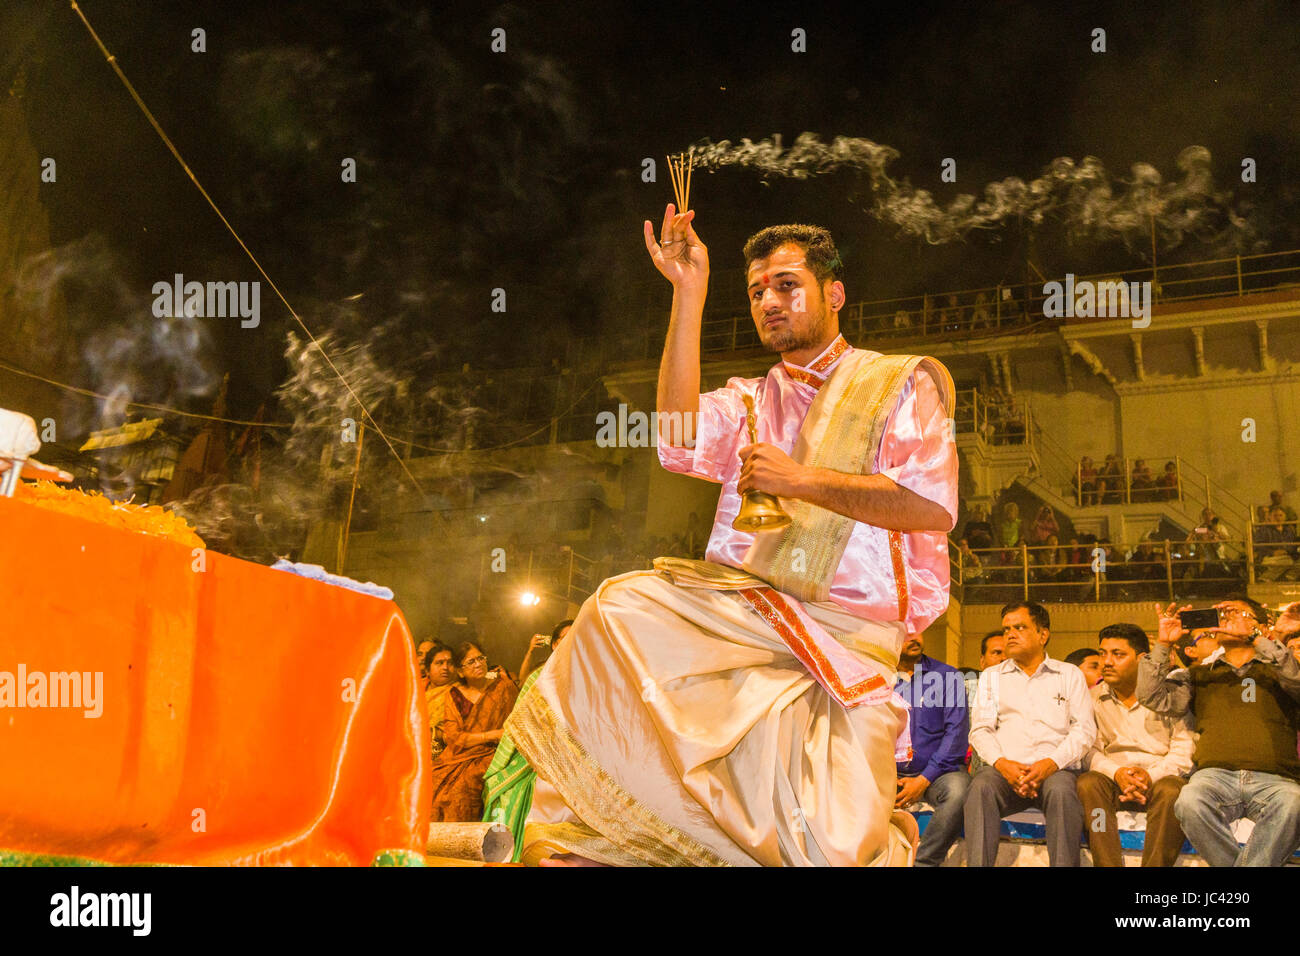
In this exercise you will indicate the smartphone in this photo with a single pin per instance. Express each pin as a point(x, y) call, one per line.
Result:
point(546, 639)
point(1199, 618)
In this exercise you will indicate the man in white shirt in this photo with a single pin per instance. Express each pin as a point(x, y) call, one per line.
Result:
point(1032, 725)
point(1140, 760)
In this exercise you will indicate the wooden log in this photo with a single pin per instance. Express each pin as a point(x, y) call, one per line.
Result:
point(476, 842)
point(451, 861)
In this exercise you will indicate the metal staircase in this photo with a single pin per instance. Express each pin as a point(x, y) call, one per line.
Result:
point(1034, 460)
point(1127, 521)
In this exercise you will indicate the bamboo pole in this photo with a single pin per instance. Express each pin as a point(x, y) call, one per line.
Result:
point(1155, 277)
point(356, 475)
point(1169, 568)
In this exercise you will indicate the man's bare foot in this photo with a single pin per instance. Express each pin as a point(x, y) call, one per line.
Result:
point(568, 859)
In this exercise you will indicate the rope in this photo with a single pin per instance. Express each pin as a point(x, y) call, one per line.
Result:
point(112, 61)
point(156, 408)
point(239, 421)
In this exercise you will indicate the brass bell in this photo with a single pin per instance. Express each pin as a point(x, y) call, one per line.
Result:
point(759, 511)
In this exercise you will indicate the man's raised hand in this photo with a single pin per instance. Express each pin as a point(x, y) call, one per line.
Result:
point(1170, 627)
point(679, 255)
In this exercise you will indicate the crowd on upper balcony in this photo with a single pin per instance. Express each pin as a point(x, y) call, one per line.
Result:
point(992, 414)
point(1111, 484)
point(1004, 552)
point(1275, 542)
point(952, 313)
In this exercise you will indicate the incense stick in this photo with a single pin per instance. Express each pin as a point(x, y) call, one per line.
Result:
point(690, 164)
point(672, 174)
point(679, 171)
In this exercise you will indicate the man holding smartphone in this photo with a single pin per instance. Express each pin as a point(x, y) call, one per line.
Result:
point(1246, 702)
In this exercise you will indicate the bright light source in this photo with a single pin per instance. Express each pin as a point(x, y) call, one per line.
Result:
point(482, 518)
point(529, 599)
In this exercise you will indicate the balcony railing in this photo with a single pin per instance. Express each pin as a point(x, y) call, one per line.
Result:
point(994, 419)
point(971, 313)
point(1163, 571)
point(1186, 484)
point(963, 314)
point(1123, 485)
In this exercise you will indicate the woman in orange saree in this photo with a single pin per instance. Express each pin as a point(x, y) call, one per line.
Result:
point(440, 677)
point(477, 706)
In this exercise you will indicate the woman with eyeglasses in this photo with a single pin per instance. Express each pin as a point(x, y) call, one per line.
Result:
point(477, 706)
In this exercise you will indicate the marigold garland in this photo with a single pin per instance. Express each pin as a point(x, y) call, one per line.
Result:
point(93, 506)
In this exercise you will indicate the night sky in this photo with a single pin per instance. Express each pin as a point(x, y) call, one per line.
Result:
point(521, 170)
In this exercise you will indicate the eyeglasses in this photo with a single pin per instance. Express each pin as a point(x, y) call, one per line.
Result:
point(470, 661)
point(1238, 612)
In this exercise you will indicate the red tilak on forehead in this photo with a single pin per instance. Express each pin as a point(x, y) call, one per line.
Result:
point(766, 279)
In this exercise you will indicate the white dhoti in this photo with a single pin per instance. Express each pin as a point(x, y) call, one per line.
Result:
point(674, 726)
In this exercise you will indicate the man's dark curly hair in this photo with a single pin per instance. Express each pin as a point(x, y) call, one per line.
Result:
point(819, 248)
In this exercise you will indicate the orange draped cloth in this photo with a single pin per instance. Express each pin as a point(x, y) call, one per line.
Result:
point(247, 716)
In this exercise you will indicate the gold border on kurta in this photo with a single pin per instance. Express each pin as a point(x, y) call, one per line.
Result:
point(774, 609)
point(542, 736)
point(860, 395)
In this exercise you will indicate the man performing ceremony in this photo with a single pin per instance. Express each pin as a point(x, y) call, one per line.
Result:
point(740, 710)
point(384, 484)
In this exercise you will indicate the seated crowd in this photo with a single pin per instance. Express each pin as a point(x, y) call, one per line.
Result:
point(1196, 744)
point(1196, 729)
point(983, 310)
point(1061, 566)
point(1275, 543)
point(1108, 484)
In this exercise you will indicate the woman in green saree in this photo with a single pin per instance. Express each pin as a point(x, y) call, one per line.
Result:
point(508, 783)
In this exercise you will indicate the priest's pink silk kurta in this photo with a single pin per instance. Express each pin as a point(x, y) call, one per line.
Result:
point(915, 453)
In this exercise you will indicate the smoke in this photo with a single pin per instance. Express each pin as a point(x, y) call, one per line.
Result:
point(1083, 196)
point(97, 329)
point(284, 101)
point(258, 524)
point(458, 158)
point(304, 473)
point(434, 414)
